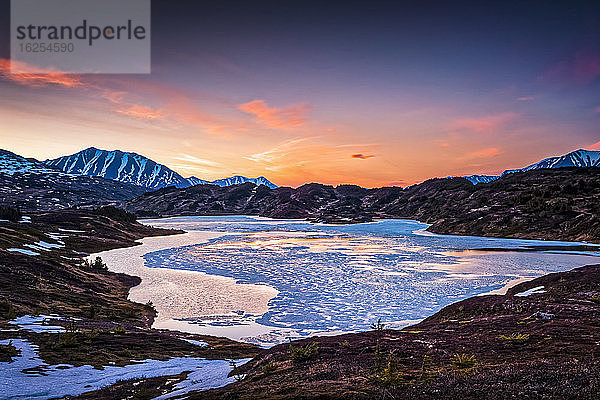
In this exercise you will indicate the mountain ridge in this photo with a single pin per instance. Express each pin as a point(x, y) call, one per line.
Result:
point(133, 168)
point(577, 158)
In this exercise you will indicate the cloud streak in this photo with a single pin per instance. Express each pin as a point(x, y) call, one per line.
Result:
point(490, 123)
point(277, 118)
point(362, 156)
point(489, 152)
point(38, 79)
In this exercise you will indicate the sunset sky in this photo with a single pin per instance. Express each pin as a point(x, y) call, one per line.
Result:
point(299, 91)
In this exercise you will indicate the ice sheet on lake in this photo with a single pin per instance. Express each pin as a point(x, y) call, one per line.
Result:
point(334, 278)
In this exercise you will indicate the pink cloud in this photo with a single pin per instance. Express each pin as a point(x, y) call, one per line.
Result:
point(595, 146)
point(37, 79)
point(489, 123)
point(526, 98)
point(278, 118)
point(486, 153)
point(581, 70)
point(597, 109)
point(489, 152)
point(141, 112)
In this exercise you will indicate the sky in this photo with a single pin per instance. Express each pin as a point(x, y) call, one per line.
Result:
point(367, 93)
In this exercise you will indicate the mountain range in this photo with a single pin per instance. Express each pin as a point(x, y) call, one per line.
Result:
point(577, 158)
point(30, 185)
point(136, 169)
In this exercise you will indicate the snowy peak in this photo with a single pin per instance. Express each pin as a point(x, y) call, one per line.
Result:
point(237, 179)
point(135, 169)
point(577, 158)
point(120, 166)
point(475, 179)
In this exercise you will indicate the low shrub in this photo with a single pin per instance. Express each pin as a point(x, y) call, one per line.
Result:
point(116, 214)
point(8, 351)
point(10, 213)
point(303, 353)
point(515, 337)
point(464, 361)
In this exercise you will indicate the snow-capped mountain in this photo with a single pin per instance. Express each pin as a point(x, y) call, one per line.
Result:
point(119, 166)
point(237, 179)
point(475, 179)
point(577, 158)
point(135, 169)
point(33, 186)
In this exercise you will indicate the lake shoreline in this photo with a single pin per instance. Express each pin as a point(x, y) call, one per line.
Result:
point(248, 298)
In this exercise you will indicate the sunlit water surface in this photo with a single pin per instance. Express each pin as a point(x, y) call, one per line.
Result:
point(343, 278)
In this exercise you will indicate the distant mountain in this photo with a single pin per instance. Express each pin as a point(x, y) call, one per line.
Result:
point(237, 180)
point(578, 158)
point(11, 163)
point(475, 179)
point(120, 166)
point(33, 186)
point(557, 203)
point(193, 181)
point(135, 169)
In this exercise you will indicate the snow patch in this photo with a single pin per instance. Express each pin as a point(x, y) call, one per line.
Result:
point(535, 290)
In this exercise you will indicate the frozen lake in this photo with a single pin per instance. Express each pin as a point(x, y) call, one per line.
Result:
point(342, 278)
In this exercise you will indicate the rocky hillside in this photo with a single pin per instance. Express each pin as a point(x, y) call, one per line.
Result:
point(559, 204)
point(42, 271)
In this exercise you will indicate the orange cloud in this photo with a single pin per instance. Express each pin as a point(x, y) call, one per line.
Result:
point(483, 153)
point(37, 79)
point(362, 156)
point(278, 118)
point(595, 146)
point(485, 124)
point(141, 112)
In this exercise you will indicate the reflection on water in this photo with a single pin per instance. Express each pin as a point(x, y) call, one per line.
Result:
point(335, 278)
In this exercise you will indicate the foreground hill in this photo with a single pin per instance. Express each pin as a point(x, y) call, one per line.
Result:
point(42, 271)
point(558, 204)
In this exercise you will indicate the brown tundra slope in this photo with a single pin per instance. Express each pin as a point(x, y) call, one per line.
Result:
point(558, 204)
point(109, 329)
point(541, 346)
